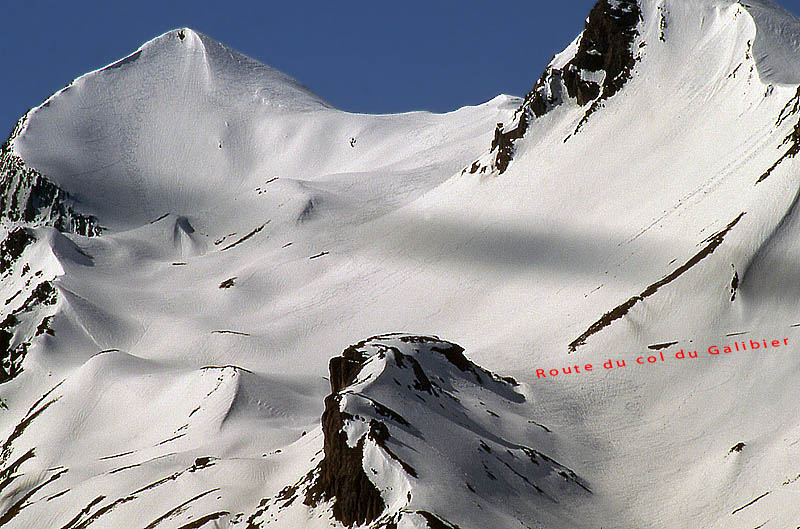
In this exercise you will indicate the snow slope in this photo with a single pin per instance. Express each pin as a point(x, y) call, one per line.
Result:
point(640, 201)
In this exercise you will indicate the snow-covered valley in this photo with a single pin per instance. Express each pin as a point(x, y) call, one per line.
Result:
point(203, 265)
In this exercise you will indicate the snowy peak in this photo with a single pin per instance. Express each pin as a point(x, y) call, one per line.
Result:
point(273, 88)
point(184, 52)
point(185, 124)
point(619, 34)
point(160, 128)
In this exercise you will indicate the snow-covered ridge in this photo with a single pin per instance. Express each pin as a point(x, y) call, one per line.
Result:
point(593, 68)
point(603, 57)
point(186, 123)
point(777, 42)
point(29, 197)
point(177, 366)
point(399, 404)
point(158, 112)
point(211, 57)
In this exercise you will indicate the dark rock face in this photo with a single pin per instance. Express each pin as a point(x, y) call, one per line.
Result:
point(10, 356)
point(342, 479)
point(341, 476)
point(341, 473)
point(12, 247)
point(13, 351)
point(344, 369)
point(27, 196)
point(14, 342)
point(605, 48)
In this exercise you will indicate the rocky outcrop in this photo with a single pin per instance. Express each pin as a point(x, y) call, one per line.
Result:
point(28, 200)
point(601, 66)
point(13, 246)
point(28, 197)
point(341, 477)
point(605, 48)
point(398, 404)
point(19, 328)
point(16, 329)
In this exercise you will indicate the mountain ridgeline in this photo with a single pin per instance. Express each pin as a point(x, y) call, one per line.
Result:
point(29, 200)
point(602, 64)
point(190, 240)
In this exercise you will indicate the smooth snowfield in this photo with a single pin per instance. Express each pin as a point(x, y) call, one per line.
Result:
point(254, 232)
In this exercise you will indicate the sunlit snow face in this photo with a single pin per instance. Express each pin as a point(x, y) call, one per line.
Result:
point(176, 365)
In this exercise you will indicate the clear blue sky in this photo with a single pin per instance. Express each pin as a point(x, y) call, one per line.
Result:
point(364, 56)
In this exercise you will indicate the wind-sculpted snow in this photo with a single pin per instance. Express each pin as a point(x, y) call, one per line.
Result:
point(171, 369)
point(111, 475)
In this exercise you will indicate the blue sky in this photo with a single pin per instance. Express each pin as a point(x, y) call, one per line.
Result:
point(362, 56)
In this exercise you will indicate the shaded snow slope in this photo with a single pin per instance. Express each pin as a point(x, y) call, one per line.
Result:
point(640, 201)
point(777, 42)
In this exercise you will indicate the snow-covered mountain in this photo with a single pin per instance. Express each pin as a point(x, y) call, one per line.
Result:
point(196, 250)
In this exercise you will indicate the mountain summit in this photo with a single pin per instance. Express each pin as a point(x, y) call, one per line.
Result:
point(161, 127)
point(226, 303)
